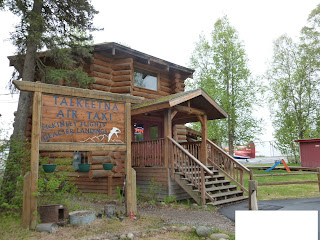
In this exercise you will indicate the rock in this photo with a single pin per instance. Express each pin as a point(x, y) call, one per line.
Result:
point(204, 206)
point(164, 229)
point(182, 229)
point(219, 236)
point(123, 236)
point(130, 236)
point(203, 231)
point(115, 238)
point(195, 206)
point(163, 204)
point(154, 230)
point(173, 228)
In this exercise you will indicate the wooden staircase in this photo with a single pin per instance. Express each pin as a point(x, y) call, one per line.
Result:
point(217, 184)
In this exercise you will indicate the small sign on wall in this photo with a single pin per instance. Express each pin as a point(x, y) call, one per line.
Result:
point(71, 119)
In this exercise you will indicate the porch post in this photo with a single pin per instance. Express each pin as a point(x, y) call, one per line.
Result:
point(167, 132)
point(204, 136)
point(131, 204)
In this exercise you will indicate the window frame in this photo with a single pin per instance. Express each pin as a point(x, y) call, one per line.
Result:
point(151, 73)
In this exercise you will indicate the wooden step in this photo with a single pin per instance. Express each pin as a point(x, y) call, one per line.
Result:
point(217, 182)
point(229, 200)
point(222, 194)
point(221, 188)
point(213, 189)
point(205, 177)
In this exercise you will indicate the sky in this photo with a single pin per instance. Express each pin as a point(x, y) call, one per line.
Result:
point(170, 29)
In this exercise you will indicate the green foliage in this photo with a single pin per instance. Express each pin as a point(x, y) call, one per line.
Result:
point(295, 88)
point(154, 190)
point(170, 199)
point(119, 193)
point(16, 170)
point(221, 70)
point(54, 187)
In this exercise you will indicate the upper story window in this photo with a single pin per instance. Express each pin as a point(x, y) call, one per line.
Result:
point(145, 79)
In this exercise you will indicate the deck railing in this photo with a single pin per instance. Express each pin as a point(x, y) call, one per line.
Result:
point(148, 153)
point(221, 160)
point(190, 167)
point(192, 147)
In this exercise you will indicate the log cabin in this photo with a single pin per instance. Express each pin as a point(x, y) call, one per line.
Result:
point(181, 161)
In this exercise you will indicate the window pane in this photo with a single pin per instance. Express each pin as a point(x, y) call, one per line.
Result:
point(154, 132)
point(145, 79)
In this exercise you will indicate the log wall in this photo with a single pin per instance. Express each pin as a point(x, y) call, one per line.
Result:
point(161, 176)
point(180, 133)
point(117, 76)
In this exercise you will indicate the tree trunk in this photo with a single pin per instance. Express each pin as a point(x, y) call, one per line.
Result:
point(11, 173)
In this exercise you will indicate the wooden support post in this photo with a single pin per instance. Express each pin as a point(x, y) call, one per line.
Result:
point(34, 164)
point(318, 169)
point(167, 132)
point(134, 190)
point(131, 205)
point(204, 136)
point(203, 193)
point(26, 212)
point(253, 195)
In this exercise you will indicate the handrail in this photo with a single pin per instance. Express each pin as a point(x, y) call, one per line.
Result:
point(190, 166)
point(228, 155)
point(190, 155)
point(227, 165)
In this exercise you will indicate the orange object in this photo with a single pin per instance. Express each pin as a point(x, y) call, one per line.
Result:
point(285, 165)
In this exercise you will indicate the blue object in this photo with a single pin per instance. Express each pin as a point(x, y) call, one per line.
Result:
point(269, 169)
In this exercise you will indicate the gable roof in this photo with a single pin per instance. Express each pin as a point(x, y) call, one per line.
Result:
point(198, 99)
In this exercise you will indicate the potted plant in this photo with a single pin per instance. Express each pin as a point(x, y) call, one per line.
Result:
point(84, 167)
point(107, 166)
point(47, 167)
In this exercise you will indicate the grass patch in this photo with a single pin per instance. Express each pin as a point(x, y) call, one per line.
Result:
point(285, 191)
point(10, 228)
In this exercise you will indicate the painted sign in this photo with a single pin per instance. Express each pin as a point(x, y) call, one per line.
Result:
point(69, 119)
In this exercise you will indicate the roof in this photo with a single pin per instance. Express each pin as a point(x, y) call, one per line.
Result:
point(308, 140)
point(116, 48)
point(198, 99)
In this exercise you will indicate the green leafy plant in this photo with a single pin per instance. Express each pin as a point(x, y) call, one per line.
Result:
point(170, 199)
point(119, 193)
point(15, 170)
point(154, 191)
point(53, 187)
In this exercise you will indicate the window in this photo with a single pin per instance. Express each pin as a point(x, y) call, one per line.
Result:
point(145, 79)
point(154, 132)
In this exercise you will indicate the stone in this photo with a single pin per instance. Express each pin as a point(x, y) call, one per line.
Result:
point(219, 236)
point(130, 236)
point(123, 236)
point(173, 228)
point(203, 231)
point(164, 229)
point(182, 229)
point(163, 204)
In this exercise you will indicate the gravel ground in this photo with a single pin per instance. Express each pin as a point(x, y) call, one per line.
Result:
point(191, 217)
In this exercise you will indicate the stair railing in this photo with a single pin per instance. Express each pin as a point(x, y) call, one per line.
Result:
point(191, 167)
point(221, 160)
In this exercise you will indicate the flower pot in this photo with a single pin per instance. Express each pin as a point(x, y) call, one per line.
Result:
point(49, 168)
point(107, 166)
point(84, 167)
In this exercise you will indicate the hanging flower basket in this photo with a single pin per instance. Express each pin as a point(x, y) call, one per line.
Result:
point(84, 167)
point(107, 166)
point(49, 168)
